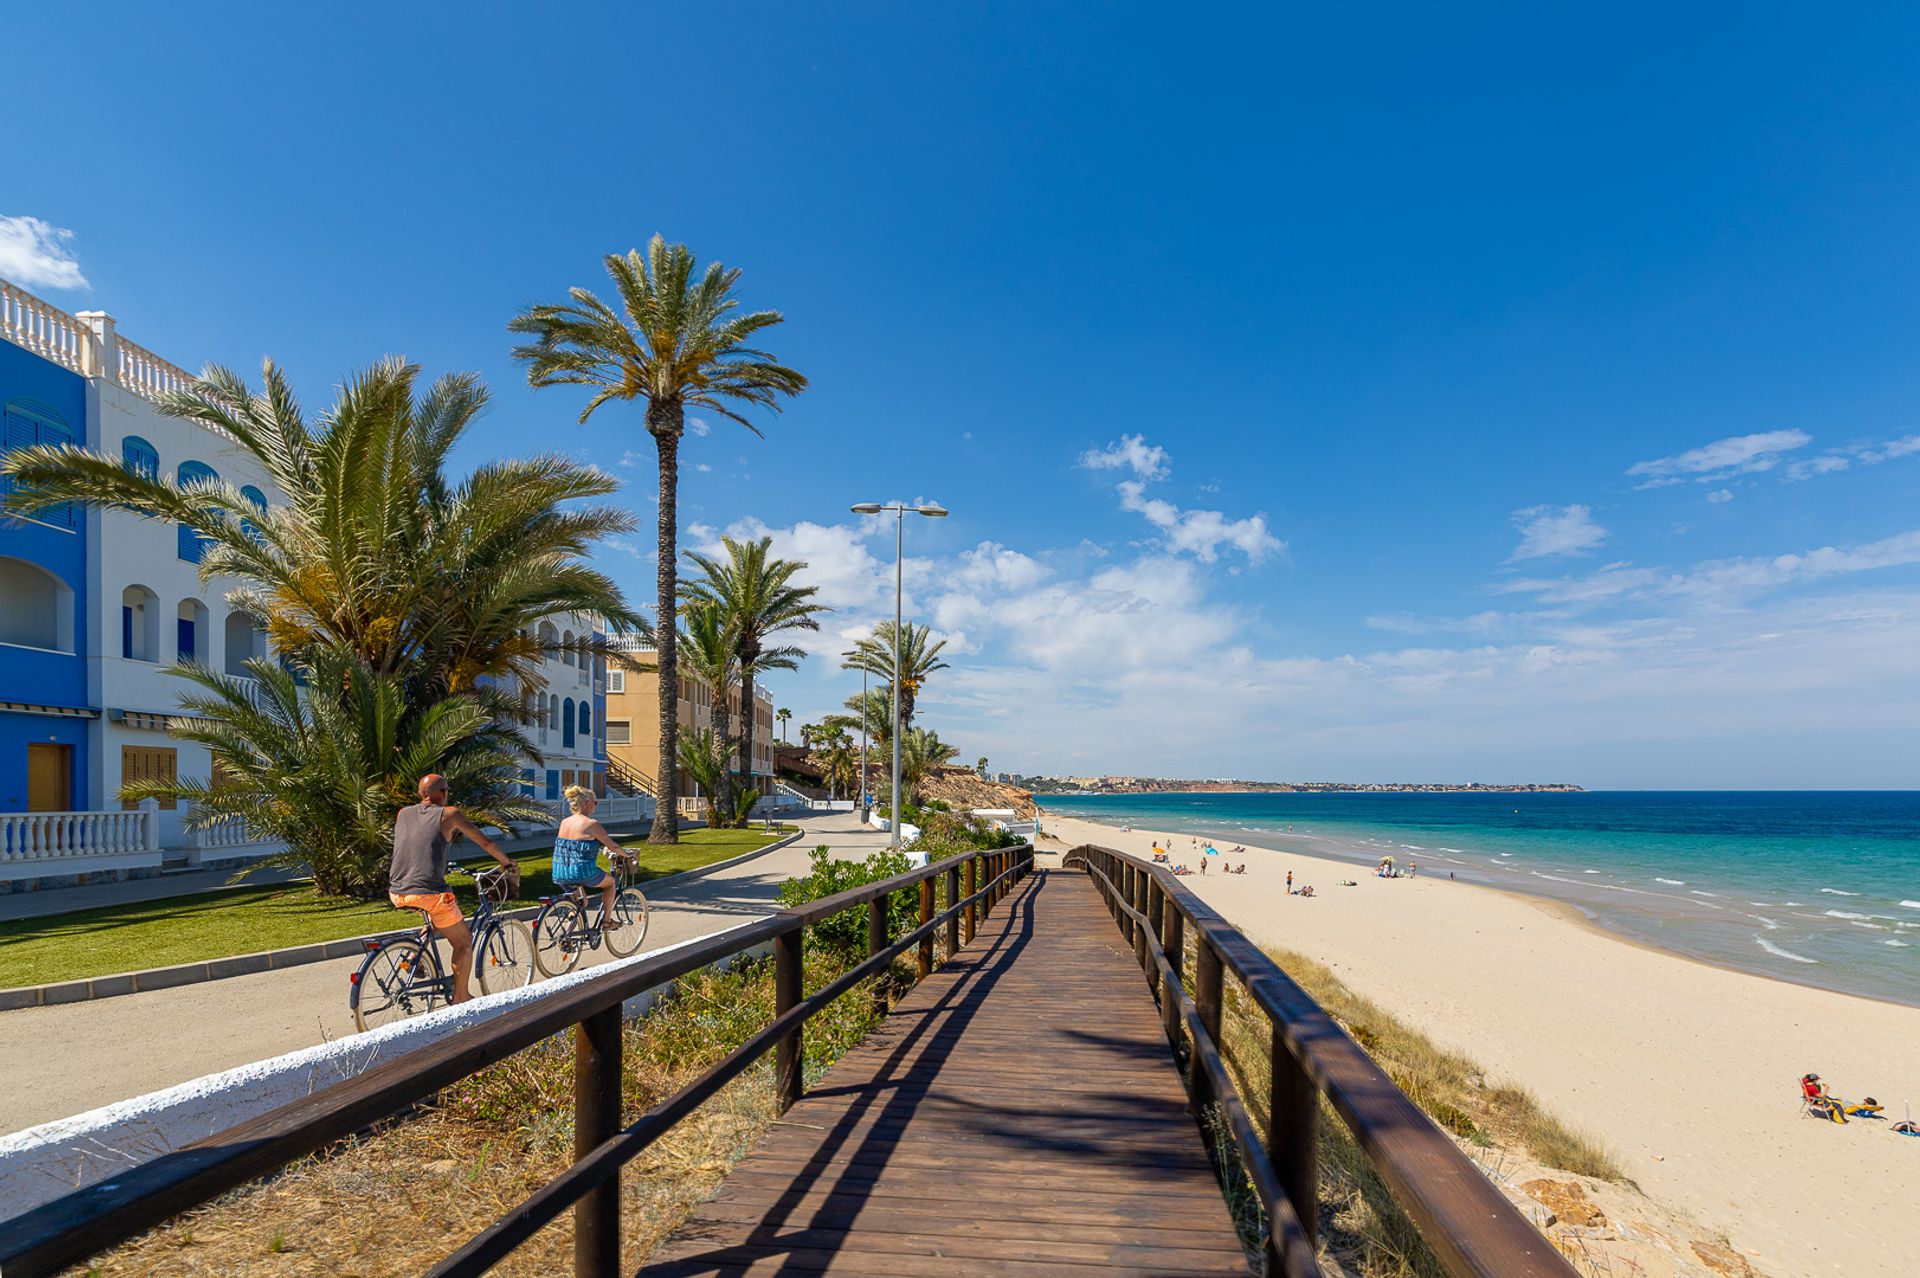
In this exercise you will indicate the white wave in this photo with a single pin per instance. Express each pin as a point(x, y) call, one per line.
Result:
point(1589, 871)
point(1556, 878)
point(1766, 922)
point(1674, 882)
point(1897, 944)
point(1877, 927)
point(1911, 905)
point(1838, 892)
point(1789, 902)
point(1771, 948)
point(1698, 892)
point(1846, 914)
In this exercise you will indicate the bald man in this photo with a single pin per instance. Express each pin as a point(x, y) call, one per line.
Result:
point(417, 876)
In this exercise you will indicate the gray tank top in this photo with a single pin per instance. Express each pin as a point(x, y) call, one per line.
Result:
point(419, 851)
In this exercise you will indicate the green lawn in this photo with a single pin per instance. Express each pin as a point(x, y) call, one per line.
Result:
point(186, 929)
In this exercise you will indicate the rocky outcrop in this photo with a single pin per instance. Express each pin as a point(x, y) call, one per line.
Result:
point(1566, 1200)
point(963, 790)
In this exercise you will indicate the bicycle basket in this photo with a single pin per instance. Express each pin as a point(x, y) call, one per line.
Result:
point(496, 884)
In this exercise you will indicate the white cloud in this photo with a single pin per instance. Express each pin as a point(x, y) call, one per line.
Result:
point(703, 468)
point(1721, 582)
point(1719, 495)
point(1722, 459)
point(35, 254)
point(1555, 530)
point(630, 457)
point(697, 426)
point(1837, 459)
point(1201, 533)
point(1146, 461)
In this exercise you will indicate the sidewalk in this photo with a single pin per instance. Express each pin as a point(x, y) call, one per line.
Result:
point(65, 1059)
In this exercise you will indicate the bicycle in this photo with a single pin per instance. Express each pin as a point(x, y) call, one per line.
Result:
point(561, 933)
point(404, 977)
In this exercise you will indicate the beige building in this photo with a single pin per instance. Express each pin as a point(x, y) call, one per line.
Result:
point(633, 723)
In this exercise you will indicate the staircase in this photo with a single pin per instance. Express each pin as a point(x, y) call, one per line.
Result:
point(629, 780)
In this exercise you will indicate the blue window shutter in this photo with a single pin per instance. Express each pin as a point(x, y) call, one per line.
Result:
point(27, 424)
point(553, 783)
point(126, 631)
point(140, 457)
point(185, 637)
point(258, 500)
point(566, 722)
point(192, 544)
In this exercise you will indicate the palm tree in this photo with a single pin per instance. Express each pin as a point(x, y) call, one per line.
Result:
point(919, 657)
point(783, 714)
point(761, 603)
point(675, 342)
point(324, 775)
point(922, 753)
point(980, 765)
point(702, 761)
point(375, 549)
point(834, 754)
point(712, 661)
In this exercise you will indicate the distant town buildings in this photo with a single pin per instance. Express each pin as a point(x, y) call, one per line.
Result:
point(1224, 785)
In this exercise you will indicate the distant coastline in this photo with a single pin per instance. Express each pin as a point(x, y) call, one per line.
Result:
point(1158, 785)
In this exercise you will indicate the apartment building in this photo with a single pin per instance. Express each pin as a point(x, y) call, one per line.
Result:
point(633, 719)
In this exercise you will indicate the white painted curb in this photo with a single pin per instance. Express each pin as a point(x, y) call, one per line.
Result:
point(39, 1164)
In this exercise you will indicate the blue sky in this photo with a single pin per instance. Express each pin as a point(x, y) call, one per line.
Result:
point(1403, 394)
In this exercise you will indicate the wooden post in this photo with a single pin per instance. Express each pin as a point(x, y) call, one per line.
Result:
point(1174, 941)
point(596, 1119)
point(1156, 911)
point(877, 941)
point(1142, 952)
point(953, 915)
point(970, 917)
point(1293, 1136)
point(788, 1052)
point(1206, 999)
point(926, 917)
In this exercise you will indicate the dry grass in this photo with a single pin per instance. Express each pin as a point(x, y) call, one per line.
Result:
point(1361, 1226)
point(396, 1201)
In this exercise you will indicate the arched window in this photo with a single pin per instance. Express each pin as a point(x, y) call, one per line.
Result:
point(553, 713)
point(566, 647)
point(140, 457)
point(586, 722)
point(566, 722)
point(139, 624)
point(28, 422)
point(244, 642)
point(36, 607)
point(190, 631)
point(258, 500)
point(192, 544)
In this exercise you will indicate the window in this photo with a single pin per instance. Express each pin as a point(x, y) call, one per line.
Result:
point(566, 647)
point(244, 642)
point(616, 680)
point(139, 624)
point(258, 500)
point(190, 625)
point(586, 722)
point(192, 544)
point(566, 722)
point(619, 731)
point(140, 457)
point(553, 783)
point(28, 423)
point(147, 763)
point(36, 607)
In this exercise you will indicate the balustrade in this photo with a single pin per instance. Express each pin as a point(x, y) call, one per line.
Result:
point(51, 836)
point(45, 329)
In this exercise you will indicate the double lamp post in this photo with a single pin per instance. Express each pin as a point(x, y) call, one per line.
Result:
point(932, 510)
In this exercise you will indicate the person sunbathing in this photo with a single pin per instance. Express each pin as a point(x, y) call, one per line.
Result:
point(1826, 1105)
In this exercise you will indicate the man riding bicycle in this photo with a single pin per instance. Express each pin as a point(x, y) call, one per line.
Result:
point(417, 876)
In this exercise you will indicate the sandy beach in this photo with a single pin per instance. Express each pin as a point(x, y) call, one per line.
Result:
point(1687, 1071)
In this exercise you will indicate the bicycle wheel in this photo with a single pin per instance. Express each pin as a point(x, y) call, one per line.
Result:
point(557, 937)
point(504, 961)
point(628, 927)
point(398, 980)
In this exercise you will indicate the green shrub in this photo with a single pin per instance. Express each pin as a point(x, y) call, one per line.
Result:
point(845, 933)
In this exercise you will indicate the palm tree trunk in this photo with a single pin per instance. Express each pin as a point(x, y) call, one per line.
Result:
point(665, 422)
point(723, 779)
point(747, 717)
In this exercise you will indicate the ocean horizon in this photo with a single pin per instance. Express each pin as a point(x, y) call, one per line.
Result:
point(1817, 887)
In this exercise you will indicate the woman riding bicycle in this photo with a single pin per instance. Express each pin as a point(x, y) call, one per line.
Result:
point(576, 849)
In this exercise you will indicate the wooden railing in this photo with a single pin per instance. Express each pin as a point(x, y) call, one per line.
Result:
point(88, 1221)
point(1471, 1228)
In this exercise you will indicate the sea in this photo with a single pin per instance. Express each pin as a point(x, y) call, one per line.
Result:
point(1820, 888)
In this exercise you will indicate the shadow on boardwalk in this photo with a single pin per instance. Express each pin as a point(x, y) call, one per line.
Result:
point(1018, 1113)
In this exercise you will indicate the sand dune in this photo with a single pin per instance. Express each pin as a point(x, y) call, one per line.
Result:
point(1689, 1072)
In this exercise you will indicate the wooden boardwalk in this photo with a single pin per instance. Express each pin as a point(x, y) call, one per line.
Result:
point(1018, 1114)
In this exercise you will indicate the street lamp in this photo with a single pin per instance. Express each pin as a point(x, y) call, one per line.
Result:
point(932, 510)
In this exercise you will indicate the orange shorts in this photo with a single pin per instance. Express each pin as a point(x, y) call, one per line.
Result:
point(442, 910)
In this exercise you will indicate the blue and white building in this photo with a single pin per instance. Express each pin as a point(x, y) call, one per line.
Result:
point(96, 604)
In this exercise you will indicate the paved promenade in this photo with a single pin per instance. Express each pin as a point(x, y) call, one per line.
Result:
point(63, 1060)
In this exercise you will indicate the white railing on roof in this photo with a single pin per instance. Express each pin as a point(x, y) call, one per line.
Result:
point(146, 374)
point(87, 343)
point(45, 329)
